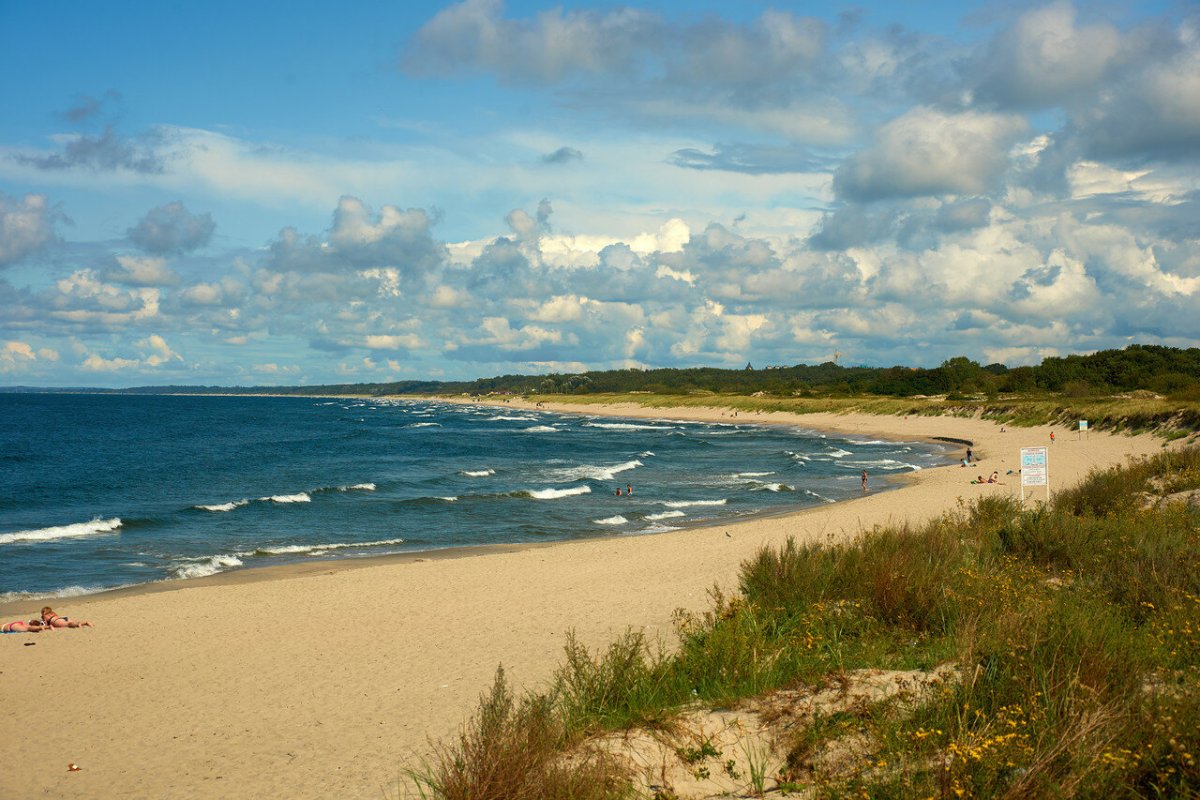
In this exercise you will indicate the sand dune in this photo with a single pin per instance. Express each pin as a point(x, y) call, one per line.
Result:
point(324, 680)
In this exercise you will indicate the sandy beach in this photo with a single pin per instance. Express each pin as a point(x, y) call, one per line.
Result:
point(326, 680)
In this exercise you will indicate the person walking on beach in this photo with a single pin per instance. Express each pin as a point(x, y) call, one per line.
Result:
point(864, 480)
point(968, 455)
point(1051, 437)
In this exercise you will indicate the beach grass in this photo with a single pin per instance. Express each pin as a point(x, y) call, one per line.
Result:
point(1133, 412)
point(1072, 630)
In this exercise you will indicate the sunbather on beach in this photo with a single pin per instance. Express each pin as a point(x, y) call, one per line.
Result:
point(53, 620)
point(21, 626)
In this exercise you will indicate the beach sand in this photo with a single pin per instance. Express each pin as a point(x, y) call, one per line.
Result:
point(326, 680)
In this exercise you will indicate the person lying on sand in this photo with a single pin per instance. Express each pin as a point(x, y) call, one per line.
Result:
point(994, 477)
point(50, 619)
point(21, 626)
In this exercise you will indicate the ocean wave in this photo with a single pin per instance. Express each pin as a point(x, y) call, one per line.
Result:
point(96, 526)
point(617, 520)
point(772, 487)
point(885, 463)
point(659, 529)
point(688, 503)
point(503, 418)
point(752, 474)
point(838, 452)
point(477, 473)
point(315, 549)
point(554, 494)
point(299, 497)
point(542, 429)
point(66, 591)
point(628, 426)
point(820, 497)
point(357, 487)
point(218, 507)
point(424, 425)
point(665, 515)
point(449, 499)
point(645, 453)
point(593, 472)
point(202, 567)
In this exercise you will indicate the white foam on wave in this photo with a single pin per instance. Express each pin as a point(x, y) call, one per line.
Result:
point(593, 472)
point(542, 429)
point(884, 463)
point(93, 528)
point(299, 497)
point(554, 494)
point(66, 591)
point(477, 473)
point(504, 418)
point(358, 487)
point(688, 503)
point(665, 515)
point(424, 425)
point(820, 497)
point(659, 529)
point(627, 426)
point(838, 452)
point(316, 549)
point(773, 487)
point(209, 565)
point(646, 454)
point(617, 520)
point(449, 499)
point(752, 474)
point(220, 507)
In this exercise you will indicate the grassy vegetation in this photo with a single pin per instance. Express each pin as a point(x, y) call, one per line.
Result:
point(1074, 627)
point(1135, 414)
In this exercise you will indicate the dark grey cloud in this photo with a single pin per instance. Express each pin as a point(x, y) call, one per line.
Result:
point(928, 152)
point(360, 238)
point(1046, 57)
point(171, 228)
point(854, 226)
point(107, 152)
point(26, 226)
point(87, 107)
point(963, 215)
point(475, 36)
point(753, 159)
point(563, 155)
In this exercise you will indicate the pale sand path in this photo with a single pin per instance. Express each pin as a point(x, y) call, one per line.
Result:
point(323, 680)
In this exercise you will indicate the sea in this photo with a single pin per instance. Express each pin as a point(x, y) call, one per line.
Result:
point(102, 491)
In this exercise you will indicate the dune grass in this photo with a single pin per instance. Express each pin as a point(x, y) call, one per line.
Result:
point(1170, 418)
point(1074, 628)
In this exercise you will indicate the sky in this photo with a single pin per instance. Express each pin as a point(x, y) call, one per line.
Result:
point(231, 193)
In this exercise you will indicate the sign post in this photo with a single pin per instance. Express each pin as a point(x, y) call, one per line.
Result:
point(1035, 469)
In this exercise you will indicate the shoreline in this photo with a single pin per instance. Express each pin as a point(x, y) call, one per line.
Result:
point(289, 569)
point(329, 681)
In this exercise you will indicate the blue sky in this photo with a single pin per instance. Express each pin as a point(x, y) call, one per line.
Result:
point(229, 193)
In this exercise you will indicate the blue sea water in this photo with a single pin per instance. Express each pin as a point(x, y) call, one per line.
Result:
point(100, 491)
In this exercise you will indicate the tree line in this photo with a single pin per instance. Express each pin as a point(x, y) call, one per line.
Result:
point(1164, 370)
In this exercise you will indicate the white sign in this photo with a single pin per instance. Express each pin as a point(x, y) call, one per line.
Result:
point(1035, 469)
point(1083, 424)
